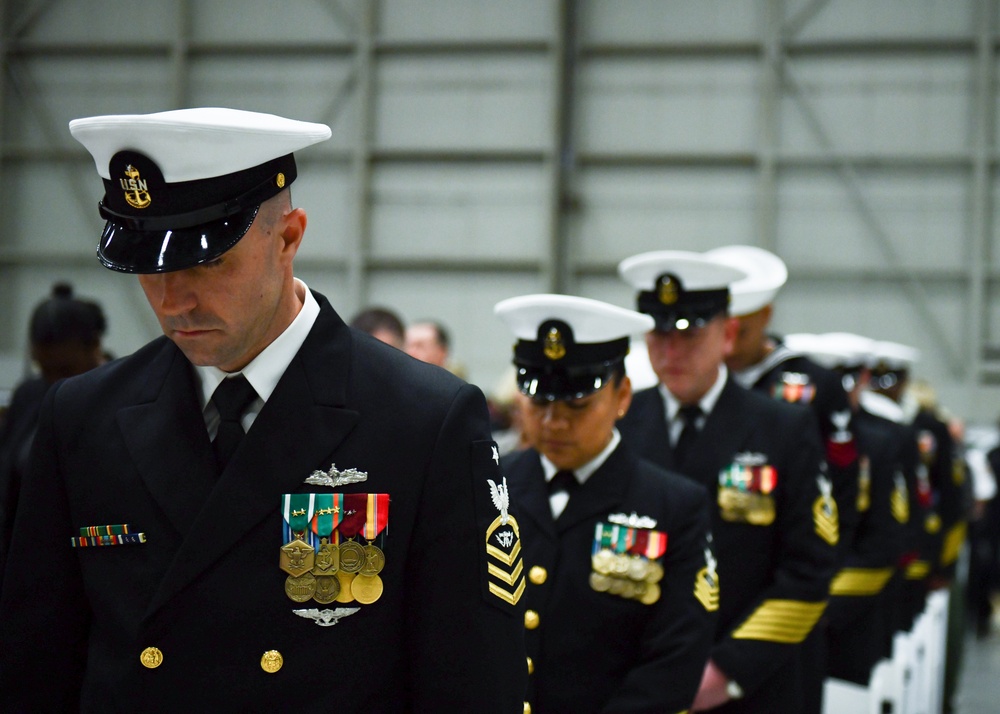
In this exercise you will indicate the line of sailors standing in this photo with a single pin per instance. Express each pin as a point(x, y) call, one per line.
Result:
point(763, 522)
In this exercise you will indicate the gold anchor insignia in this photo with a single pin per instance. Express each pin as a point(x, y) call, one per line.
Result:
point(136, 189)
point(554, 348)
point(668, 291)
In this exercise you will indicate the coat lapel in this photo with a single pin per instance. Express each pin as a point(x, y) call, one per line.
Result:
point(166, 438)
point(295, 433)
point(649, 422)
point(720, 438)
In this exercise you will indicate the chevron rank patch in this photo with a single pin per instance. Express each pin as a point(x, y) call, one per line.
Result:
point(706, 583)
point(500, 557)
point(825, 517)
point(899, 501)
point(864, 484)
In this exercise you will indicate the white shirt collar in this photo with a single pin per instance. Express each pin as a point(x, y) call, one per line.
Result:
point(752, 374)
point(264, 371)
point(707, 402)
point(587, 470)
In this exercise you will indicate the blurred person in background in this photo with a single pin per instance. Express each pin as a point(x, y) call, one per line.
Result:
point(428, 341)
point(381, 323)
point(65, 336)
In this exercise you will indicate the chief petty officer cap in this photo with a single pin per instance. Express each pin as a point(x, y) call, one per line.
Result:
point(182, 187)
point(766, 273)
point(567, 347)
point(890, 362)
point(843, 350)
point(680, 289)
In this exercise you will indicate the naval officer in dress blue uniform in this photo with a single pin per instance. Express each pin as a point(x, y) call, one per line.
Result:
point(774, 522)
point(862, 596)
point(622, 588)
point(765, 363)
point(262, 510)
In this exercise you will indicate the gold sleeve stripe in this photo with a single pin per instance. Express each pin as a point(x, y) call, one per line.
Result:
point(860, 581)
point(784, 621)
point(918, 570)
point(953, 540)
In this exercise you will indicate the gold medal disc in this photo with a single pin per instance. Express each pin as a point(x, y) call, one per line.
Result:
point(637, 568)
point(346, 580)
point(352, 556)
point(617, 586)
point(374, 560)
point(599, 582)
point(297, 557)
point(654, 572)
point(327, 559)
point(601, 561)
point(327, 589)
point(619, 565)
point(367, 588)
point(651, 595)
point(301, 588)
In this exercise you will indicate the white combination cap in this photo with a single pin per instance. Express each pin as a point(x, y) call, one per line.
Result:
point(680, 289)
point(182, 187)
point(893, 356)
point(567, 347)
point(766, 273)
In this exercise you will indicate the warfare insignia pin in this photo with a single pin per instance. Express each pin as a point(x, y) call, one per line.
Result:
point(334, 478)
point(633, 521)
point(326, 618)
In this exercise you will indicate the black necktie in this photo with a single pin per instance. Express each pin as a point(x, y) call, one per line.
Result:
point(563, 482)
point(689, 416)
point(231, 398)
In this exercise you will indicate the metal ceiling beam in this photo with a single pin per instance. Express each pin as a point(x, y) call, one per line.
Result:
point(883, 239)
point(562, 162)
point(769, 119)
point(984, 111)
point(360, 239)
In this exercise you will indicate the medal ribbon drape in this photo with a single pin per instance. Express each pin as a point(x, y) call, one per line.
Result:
point(355, 514)
point(376, 515)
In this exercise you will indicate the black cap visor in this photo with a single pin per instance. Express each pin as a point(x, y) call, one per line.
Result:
point(128, 250)
point(692, 310)
point(552, 384)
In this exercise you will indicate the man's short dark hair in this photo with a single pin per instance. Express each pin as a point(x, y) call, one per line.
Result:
point(373, 319)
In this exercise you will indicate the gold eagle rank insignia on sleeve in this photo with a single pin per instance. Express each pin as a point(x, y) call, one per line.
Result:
point(503, 566)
